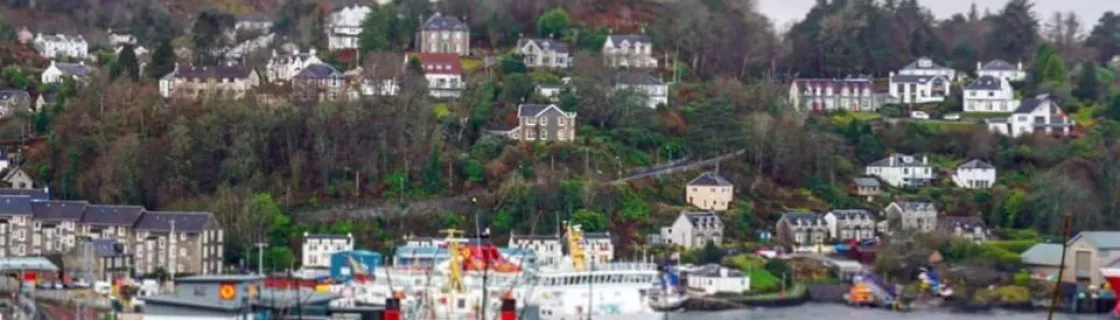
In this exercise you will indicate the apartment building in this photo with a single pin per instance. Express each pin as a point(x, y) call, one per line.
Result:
point(180, 242)
point(55, 225)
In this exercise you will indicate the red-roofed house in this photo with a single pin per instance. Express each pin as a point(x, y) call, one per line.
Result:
point(444, 74)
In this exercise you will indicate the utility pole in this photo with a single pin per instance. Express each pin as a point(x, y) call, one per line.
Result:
point(260, 257)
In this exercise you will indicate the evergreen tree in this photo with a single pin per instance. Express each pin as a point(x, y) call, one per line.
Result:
point(1055, 71)
point(1113, 110)
point(1014, 31)
point(375, 32)
point(127, 64)
point(163, 60)
point(1105, 36)
point(1088, 84)
point(1041, 58)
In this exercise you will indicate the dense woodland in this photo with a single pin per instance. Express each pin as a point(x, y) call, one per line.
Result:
point(116, 141)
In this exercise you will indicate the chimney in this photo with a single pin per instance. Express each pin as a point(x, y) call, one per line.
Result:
point(891, 161)
point(925, 160)
point(1020, 65)
point(312, 51)
point(978, 65)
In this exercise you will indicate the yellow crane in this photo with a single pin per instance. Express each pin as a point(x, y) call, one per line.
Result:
point(455, 272)
point(575, 245)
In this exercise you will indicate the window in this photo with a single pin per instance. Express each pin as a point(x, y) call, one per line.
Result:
point(544, 121)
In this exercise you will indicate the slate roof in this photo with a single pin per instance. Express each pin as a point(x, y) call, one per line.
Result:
point(535, 110)
point(111, 214)
point(709, 178)
point(632, 38)
point(899, 161)
point(1028, 105)
point(910, 206)
point(1101, 239)
point(985, 83)
point(544, 44)
point(440, 63)
point(949, 223)
point(325, 236)
point(802, 218)
point(214, 72)
point(58, 210)
point(440, 22)
point(852, 213)
point(917, 65)
point(697, 217)
point(635, 78)
point(907, 78)
point(836, 84)
point(318, 71)
point(866, 182)
point(998, 65)
point(976, 164)
point(1046, 254)
point(34, 194)
point(15, 206)
point(184, 221)
point(73, 69)
point(104, 248)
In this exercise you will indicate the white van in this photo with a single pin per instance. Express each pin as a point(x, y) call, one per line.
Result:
point(919, 115)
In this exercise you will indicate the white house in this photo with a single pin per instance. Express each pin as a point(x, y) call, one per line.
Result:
point(655, 91)
point(544, 53)
point(989, 94)
point(58, 71)
point(443, 72)
point(344, 25)
point(318, 248)
point(713, 278)
point(900, 170)
point(925, 66)
point(550, 91)
point(918, 88)
point(116, 40)
point(1040, 114)
point(694, 229)
point(284, 67)
point(629, 51)
point(253, 22)
point(1002, 70)
point(975, 174)
point(60, 45)
point(548, 248)
point(821, 95)
point(845, 224)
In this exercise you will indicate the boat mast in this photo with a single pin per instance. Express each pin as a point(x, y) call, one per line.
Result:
point(1061, 268)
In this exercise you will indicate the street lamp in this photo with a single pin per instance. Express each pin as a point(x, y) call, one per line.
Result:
point(260, 257)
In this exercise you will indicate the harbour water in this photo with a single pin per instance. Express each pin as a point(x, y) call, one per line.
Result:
point(824, 311)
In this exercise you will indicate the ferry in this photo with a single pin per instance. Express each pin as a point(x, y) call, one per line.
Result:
point(469, 279)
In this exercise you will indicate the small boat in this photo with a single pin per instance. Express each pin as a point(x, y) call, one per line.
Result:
point(1112, 276)
point(860, 295)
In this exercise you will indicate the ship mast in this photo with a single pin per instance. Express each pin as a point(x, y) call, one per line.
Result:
point(575, 246)
point(455, 267)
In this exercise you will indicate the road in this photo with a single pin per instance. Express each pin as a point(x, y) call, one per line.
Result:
point(463, 203)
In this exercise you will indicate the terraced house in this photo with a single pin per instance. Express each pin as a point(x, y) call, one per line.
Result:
point(823, 95)
point(15, 225)
point(55, 226)
point(229, 81)
point(180, 242)
point(802, 231)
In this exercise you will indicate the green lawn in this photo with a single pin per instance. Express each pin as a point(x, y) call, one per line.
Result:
point(470, 64)
point(984, 115)
point(1084, 116)
point(844, 118)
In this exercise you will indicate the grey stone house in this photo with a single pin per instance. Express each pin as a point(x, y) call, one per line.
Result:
point(802, 231)
point(184, 242)
point(15, 225)
point(918, 216)
point(55, 225)
point(541, 122)
point(845, 224)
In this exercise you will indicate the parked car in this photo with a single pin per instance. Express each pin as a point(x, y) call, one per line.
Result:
point(952, 117)
point(102, 287)
point(919, 115)
point(81, 283)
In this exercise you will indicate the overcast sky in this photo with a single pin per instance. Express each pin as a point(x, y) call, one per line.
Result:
point(783, 12)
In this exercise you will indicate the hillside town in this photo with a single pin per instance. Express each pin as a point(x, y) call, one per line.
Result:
point(480, 159)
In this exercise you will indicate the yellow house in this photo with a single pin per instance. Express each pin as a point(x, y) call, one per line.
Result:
point(710, 191)
point(1087, 253)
